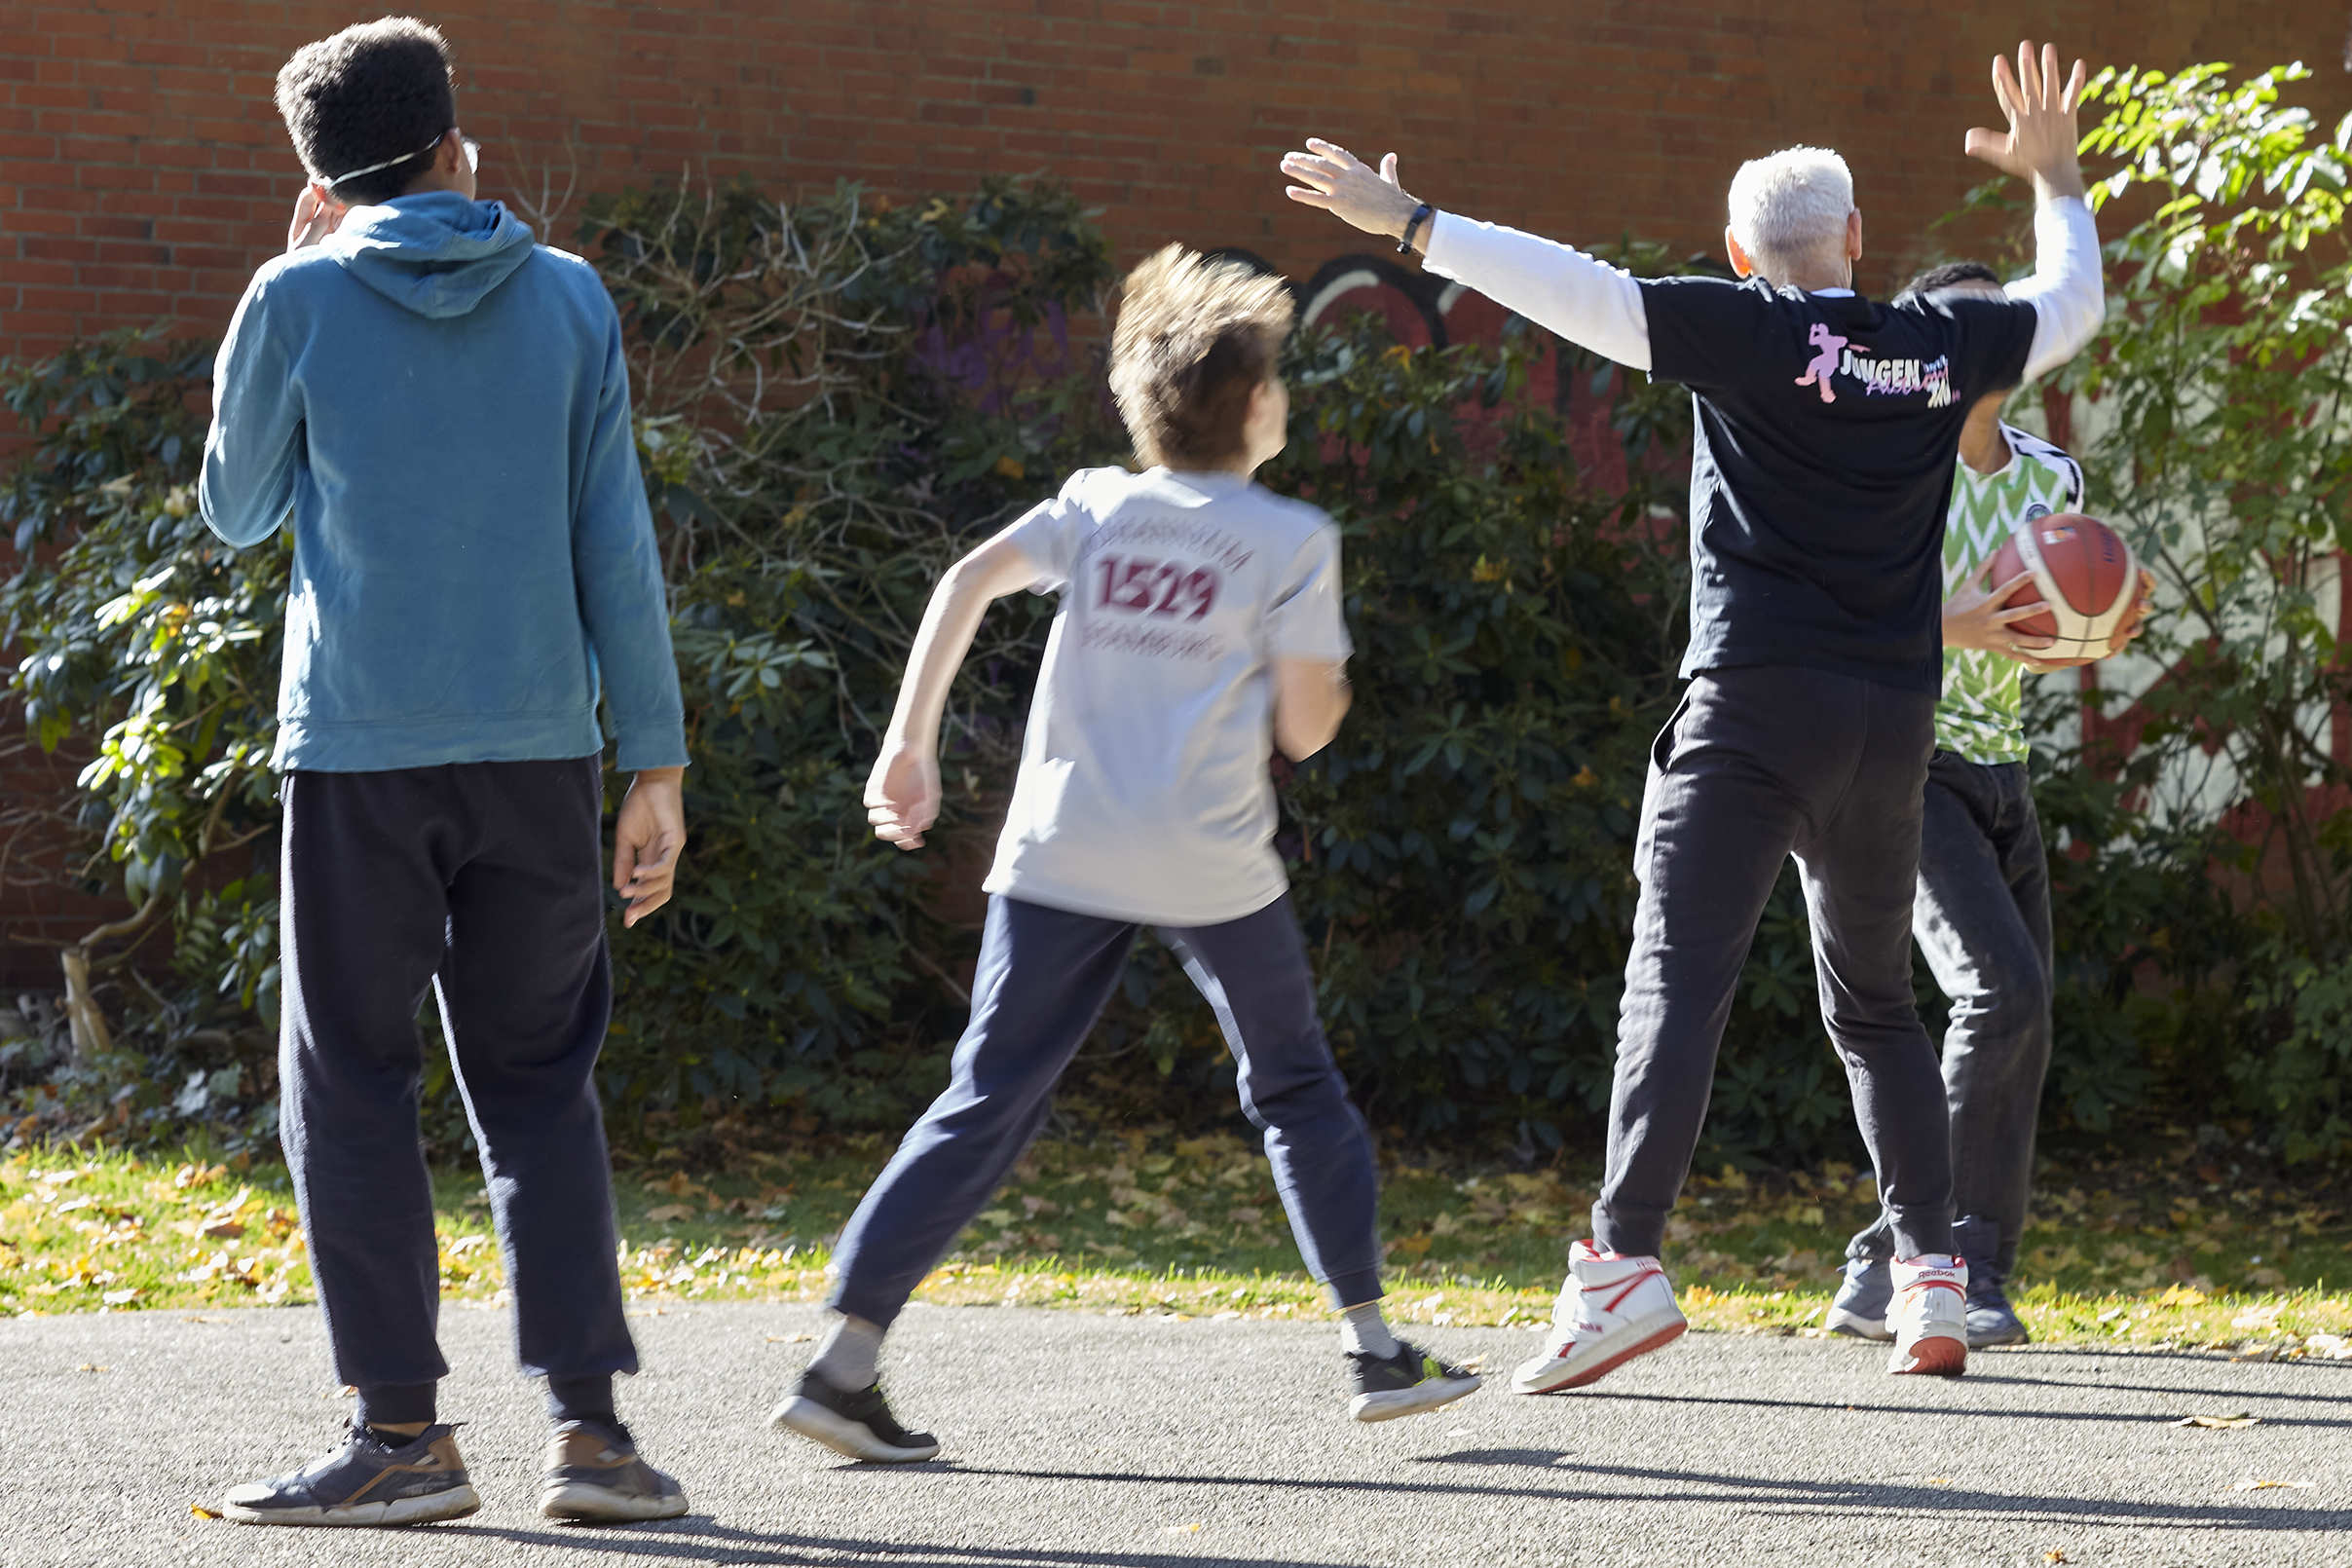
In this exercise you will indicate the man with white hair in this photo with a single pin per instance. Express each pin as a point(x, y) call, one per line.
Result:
point(1822, 469)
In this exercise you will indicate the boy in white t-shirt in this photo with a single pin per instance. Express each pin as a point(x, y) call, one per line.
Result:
point(1200, 626)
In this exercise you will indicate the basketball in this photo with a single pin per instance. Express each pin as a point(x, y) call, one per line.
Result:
point(2086, 575)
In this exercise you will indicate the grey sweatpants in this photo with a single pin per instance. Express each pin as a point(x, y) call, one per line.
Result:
point(1757, 765)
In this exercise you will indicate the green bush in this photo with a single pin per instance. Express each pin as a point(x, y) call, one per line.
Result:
point(836, 398)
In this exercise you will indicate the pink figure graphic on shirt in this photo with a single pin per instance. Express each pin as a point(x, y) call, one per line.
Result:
point(1824, 364)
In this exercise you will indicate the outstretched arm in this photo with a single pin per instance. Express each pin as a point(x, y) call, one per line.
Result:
point(902, 795)
point(1588, 302)
point(2066, 290)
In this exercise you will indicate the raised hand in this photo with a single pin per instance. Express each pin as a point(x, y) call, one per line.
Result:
point(2041, 141)
point(1336, 179)
point(1977, 617)
point(901, 797)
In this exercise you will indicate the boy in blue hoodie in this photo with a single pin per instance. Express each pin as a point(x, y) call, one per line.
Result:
point(440, 409)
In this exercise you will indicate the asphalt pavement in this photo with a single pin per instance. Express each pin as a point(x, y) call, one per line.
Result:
point(1074, 1439)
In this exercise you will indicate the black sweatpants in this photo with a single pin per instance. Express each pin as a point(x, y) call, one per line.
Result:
point(484, 881)
point(1755, 765)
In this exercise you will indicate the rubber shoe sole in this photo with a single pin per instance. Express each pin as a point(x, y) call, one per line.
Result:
point(454, 1504)
point(1939, 1355)
point(851, 1440)
point(1854, 1325)
point(1563, 1373)
point(1390, 1403)
point(582, 1503)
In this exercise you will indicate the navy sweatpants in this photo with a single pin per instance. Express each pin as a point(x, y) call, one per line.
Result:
point(1044, 975)
point(483, 882)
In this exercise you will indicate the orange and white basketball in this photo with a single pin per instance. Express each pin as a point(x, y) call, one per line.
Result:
point(2083, 570)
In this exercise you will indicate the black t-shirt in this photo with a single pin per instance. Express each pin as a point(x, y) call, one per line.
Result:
point(1821, 465)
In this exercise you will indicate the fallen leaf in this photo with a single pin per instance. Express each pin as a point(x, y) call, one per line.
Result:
point(203, 1512)
point(669, 1212)
point(1181, 1529)
point(2055, 1555)
point(90, 1366)
point(2219, 1423)
point(2328, 1346)
point(1939, 1480)
point(2256, 1483)
point(790, 1339)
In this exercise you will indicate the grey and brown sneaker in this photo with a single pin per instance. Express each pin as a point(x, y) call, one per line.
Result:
point(857, 1424)
point(373, 1480)
point(595, 1476)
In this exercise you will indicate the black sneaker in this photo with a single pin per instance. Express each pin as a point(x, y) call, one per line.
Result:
point(1992, 1321)
point(372, 1480)
point(1407, 1383)
point(857, 1424)
point(594, 1476)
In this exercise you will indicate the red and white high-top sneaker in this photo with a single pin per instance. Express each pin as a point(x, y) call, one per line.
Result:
point(1929, 1315)
point(1611, 1308)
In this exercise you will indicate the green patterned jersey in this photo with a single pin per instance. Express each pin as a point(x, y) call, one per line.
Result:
point(1982, 716)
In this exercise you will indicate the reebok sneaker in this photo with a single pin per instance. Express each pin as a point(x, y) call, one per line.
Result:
point(1611, 1309)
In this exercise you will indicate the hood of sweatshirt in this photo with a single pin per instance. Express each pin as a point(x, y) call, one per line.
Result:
point(437, 254)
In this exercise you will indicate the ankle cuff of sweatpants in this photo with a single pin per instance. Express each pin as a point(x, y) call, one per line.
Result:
point(1614, 1235)
point(1916, 1236)
point(847, 1298)
point(397, 1404)
point(1355, 1288)
point(581, 1398)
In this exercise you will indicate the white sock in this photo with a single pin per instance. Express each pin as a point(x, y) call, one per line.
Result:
point(850, 1355)
point(1364, 1332)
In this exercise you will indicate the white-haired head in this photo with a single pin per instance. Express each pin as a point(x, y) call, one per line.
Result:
point(1790, 213)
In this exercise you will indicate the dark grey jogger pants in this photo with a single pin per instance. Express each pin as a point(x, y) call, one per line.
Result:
point(1757, 765)
point(1983, 920)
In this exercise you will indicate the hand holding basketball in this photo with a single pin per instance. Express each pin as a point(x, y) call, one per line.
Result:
point(2084, 590)
point(901, 797)
point(1980, 616)
point(2129, 631)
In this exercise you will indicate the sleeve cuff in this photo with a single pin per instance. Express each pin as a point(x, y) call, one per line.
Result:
point(657, 750)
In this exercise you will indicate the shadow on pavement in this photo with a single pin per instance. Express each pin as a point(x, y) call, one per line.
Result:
point(703, 1539)
point(2185, 1396)
point(1680, 1486)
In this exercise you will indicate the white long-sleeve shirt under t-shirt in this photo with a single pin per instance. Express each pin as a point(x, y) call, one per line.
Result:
point(1599, 306)
point(1826, 429)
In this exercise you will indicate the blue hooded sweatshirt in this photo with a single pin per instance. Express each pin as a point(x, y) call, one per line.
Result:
point(442, 407)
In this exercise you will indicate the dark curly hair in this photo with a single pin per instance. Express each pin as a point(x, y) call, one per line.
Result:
point(372, 91)
point(1951, 274)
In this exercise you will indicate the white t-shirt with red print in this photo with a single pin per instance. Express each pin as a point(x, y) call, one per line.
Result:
point(1143, 792)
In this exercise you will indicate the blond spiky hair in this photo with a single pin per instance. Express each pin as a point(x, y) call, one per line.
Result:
point(1195, 338)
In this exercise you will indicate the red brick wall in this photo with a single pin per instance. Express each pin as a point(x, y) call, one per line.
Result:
point(143, 172)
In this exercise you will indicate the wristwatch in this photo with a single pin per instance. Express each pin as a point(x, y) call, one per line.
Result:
point(1412, 226)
